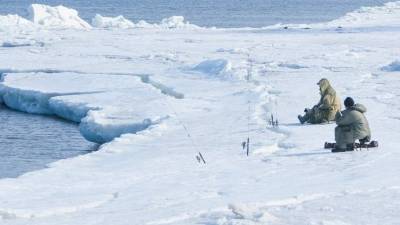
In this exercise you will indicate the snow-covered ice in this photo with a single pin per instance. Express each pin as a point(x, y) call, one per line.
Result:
point(157, 97)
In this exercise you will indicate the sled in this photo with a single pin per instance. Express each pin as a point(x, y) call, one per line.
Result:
point(352, 147)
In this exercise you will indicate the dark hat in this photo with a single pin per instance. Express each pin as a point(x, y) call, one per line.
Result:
point(348, 102)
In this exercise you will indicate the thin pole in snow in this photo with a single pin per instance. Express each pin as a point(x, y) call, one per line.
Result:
point(199, 156)
point(248, 144)
point(248, 78)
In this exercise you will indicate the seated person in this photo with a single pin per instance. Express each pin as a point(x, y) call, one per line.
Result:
point(352, 125)
point(327, 107)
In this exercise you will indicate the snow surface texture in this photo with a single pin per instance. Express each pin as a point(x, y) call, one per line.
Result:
point(156, 97)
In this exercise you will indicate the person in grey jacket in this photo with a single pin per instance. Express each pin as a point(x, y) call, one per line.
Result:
point(352, 125)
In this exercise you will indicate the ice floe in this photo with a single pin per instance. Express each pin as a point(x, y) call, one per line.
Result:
point(88, 100)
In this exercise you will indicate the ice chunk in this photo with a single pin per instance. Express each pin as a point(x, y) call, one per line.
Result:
point(176, 22)
point(112, 22)
point(56, 17)
point(29, 101)
point(14, 21)
point(213, 67)
point(102, 126)
point(144, 24)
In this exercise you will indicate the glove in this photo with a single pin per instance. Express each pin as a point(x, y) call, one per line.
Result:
point(338, 115)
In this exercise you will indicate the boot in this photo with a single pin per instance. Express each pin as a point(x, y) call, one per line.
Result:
point(329, 145)
point(302, 119)
point(350, 147)
point(373, 144)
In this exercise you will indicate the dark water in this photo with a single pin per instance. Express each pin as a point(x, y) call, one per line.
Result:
point(29, 142)
point(219, 13)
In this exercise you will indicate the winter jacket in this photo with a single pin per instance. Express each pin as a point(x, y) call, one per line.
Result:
point(355, 119)
point(330, 103)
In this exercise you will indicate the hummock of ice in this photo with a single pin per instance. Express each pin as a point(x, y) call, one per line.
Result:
point(112, 22)
point(120, 22)
point(392, 67)
point(14, 21)
point(213, 67)
point(56, 17)
point(60, 17)
point(176, 22)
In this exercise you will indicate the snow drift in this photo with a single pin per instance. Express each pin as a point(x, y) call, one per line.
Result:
point(56, 17)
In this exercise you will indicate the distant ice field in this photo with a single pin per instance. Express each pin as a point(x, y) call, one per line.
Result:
point(219, 13)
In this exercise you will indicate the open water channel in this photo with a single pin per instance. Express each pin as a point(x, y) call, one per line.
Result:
point(30, 142)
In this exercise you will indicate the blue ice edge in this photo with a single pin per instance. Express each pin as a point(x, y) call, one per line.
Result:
point(36, 102)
